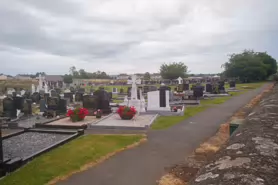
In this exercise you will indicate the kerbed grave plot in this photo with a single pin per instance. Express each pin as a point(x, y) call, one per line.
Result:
point(23, 146)
point(142, 121)
point(28, 143)
point(66, 123)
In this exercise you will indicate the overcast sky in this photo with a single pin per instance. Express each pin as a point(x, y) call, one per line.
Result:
point(130, 36)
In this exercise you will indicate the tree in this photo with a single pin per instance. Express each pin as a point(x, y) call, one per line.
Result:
point(74, 72)
point(173, 70)
point(249, 66)
point(68, 78)
point(269, 61)
point(147, 76)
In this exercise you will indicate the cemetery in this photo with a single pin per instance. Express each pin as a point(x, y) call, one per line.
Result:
point(48, 117)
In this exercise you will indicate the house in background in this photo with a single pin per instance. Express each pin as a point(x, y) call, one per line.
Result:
point(53, 81)
point(23, 77)
point(123, 77)
point(3, 77)
point(156, 76)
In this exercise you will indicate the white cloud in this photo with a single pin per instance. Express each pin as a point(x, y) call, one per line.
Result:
point(131, 36)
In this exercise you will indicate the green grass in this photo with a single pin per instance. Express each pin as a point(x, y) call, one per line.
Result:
point(164, 122)
point(68, 158)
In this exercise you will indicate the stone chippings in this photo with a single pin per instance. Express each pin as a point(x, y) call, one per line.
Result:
point(28, 143)
point(251, 155)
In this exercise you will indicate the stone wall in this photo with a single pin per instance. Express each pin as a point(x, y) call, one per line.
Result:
point(251, 155)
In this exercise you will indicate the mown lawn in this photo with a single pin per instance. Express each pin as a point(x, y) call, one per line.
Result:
point(68, 158)
point(164, 122)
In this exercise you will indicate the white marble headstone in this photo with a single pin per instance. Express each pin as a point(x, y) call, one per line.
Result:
point(154, 101)
point(22, 92)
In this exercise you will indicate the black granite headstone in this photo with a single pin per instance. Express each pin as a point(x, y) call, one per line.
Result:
point(129, 91)
point(198, 91)
point(162, 96)
point(62, 106)
point(19, 101)
point(35, 97)
point(186, 87)
point(180, 87)
point(89, 101)
point(9, 108)
point(103, 101)
point(208, 88)
point(232, 84)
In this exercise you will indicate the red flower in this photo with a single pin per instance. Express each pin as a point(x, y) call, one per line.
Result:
point(77, 114)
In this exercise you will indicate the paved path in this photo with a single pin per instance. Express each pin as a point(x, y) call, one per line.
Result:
point(145, 164)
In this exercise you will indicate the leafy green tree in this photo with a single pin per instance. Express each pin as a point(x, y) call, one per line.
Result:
point(269, 61)
point(173, 70)
point(147, 76)
point(249, 66)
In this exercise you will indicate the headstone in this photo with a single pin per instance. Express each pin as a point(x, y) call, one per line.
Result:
point(121, 90)
point(33, 89)
point(19, 101)
point(27, 95)
point(35, 97)
point(43, 105)
point(89, 101)
point(52, 103)
point(180, 88)
point(27, 107)
point(10, 92)
point(114, 90)
point(72, 89)
point(9, 108)
point(81, 90)
point(208, 88)
point(129, 91)
point(221, 86)
point(78, 97)
point(53, 93)
point(198, 91)
point(232, 84)
point(69, 95)
point(159, 100)
point(62, 106)
point(110, 95)
point(103, 102)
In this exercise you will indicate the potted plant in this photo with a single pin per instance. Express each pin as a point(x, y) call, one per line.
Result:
point(126, 112)
point(77, 114)
point(98, 113)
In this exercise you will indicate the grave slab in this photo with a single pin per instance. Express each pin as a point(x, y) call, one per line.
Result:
point(142, 121)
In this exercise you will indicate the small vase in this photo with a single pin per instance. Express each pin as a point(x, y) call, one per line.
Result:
point(98, 116)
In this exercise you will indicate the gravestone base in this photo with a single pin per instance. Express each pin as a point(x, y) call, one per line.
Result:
point(137, 104)
point(159, 109)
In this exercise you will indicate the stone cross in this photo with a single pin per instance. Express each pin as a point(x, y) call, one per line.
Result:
point(180, 80)
point(134, 87)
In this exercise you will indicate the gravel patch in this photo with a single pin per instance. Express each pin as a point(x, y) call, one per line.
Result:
point(28, 143)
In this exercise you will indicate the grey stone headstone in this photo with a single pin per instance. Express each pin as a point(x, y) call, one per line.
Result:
point(43, 105)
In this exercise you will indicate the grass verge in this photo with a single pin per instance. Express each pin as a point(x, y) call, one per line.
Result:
point(73, 157)
point(164, 122)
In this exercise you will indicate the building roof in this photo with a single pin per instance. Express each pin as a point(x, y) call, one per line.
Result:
point(53, 78)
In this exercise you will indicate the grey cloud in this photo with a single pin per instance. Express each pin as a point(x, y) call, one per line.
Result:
point(137, 33)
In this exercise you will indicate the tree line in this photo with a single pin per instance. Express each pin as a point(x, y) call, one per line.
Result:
point(248, 66)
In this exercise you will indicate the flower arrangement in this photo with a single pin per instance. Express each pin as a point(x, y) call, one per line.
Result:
point(175, 109)
point(126, 112)
point(77, 114)
point(98, 113)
